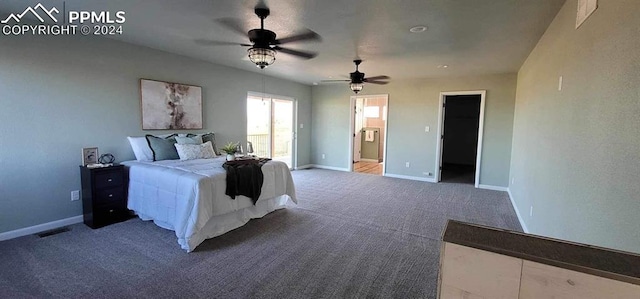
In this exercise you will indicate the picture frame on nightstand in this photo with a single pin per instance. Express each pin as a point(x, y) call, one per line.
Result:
point(89, 155)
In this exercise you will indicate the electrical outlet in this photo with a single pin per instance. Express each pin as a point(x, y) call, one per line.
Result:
point(75, 195)
point(427, 129)
point(301, 126)
point(531, 211)
point(323, 156)
point(407, 164)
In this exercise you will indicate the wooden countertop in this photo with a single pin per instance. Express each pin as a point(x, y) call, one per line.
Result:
point(603, 262)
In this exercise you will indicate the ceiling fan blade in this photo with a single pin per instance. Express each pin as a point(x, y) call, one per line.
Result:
point(334, 81)
point(376, 82)
point(206, 42)
point(306, 36)
point(378, 78)
point(301, 54)
point(234, 25)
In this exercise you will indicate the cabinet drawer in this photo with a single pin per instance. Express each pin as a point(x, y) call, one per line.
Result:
point(109, 196)
point(109, 214)
point(108, 179)
point(108, 211)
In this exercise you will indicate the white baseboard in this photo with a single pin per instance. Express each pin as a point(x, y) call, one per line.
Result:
point(304, 166)
point(329, 167)
point(408, 177)
point(513, 203)
point(495, 188)
point(40, 228)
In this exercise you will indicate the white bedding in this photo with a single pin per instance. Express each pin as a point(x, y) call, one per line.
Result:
point(189, 198)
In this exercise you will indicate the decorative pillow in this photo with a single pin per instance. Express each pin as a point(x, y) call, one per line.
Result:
point(195, 151)
point(162, 148)
point(141, 149)
point(189, 140)
point(211, 137)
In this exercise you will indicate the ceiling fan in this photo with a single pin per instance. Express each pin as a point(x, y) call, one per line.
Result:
point(357, 79)
point(264, 43)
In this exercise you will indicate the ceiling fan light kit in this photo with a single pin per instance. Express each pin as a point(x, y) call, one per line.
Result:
point(262, 57)
point(356, 87)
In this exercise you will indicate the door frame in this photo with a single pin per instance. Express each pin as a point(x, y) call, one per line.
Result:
point(294, 118)
point(355, 133)
point(441, 116)
point(352, 124)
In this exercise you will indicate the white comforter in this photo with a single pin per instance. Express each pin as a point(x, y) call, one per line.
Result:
point(184, 196)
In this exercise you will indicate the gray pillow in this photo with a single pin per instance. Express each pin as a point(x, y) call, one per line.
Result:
point(163, 148)
point(189, 140)
point(208, 137)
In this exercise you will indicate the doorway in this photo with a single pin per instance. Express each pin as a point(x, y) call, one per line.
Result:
point(270, 127)
point(368, 130)
point(461, 121)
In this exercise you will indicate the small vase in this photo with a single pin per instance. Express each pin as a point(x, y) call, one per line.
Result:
point(231, 157)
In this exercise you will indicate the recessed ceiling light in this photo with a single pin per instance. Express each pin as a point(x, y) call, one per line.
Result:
point(418, 29)
point(443, 66)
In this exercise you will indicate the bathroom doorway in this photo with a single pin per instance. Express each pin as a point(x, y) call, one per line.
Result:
point(369, 133)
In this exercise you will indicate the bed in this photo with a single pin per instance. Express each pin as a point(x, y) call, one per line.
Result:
point(189, 198)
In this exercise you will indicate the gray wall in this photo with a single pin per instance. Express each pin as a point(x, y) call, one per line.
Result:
point(370, 150)
point(413, 104)
point(61, 94)
point(576, 152)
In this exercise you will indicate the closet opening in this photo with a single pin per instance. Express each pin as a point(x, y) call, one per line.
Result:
point(460, 142)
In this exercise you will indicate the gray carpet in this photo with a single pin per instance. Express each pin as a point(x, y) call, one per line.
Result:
point(351, 236)
point(456, 173)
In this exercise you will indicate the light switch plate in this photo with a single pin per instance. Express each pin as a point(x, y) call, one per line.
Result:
point(560, 83)
point(426, 129)
point(75, 195)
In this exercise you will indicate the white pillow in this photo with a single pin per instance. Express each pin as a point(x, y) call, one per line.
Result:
point(195, 151)
point(141, 148)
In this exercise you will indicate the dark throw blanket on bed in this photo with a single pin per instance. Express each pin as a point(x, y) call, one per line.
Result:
point(244, 177)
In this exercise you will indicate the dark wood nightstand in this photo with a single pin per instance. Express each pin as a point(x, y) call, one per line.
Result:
point(104, 195)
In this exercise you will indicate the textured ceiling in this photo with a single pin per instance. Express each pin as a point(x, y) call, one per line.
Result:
point(472, 37)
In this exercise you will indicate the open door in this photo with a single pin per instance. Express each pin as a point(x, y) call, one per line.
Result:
point(367, 136)
point(357, 129)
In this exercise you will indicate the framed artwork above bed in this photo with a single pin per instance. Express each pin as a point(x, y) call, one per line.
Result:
point(170, 106)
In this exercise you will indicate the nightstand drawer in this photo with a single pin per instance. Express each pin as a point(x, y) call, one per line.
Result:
point(108, 215)
point(109, 196)
point(108, 179)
